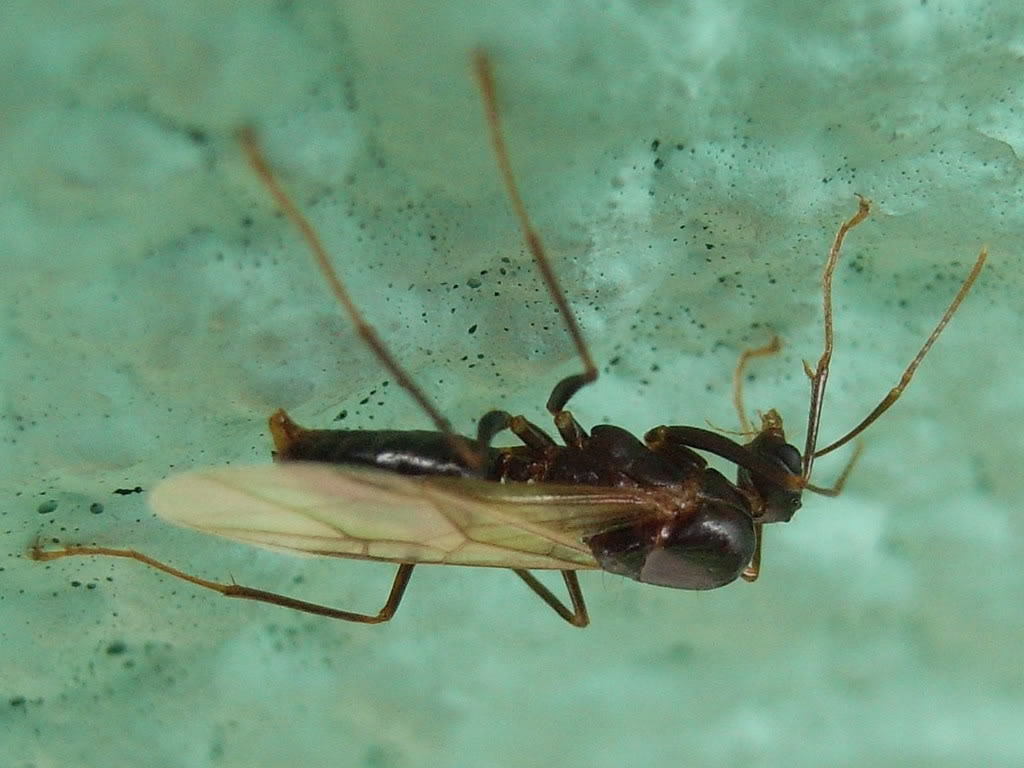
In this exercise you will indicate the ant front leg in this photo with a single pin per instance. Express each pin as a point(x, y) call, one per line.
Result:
point(674, 443)
point(771, 348)
point(752, 571)
point(661, 441)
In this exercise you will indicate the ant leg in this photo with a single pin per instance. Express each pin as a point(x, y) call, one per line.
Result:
point(254, 154)
point(570, 430)
point(660, 441)
point(752, 571)
point(676, 444)
point(490, 424)
point(570, 385)
point(245, 593)
point(771, 348)
point(578, 616)
point(533, 436)
point(682, 438)
point(908, 374)
point(837, 487)
point(494, 422)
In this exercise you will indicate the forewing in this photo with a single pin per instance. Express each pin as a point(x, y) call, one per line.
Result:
point(358, 512)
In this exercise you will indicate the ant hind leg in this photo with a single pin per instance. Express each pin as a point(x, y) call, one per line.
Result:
point(401, 581)
point(494, 422)
point(570, 385)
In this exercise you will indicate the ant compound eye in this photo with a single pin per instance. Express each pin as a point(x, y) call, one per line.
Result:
point(789, 457)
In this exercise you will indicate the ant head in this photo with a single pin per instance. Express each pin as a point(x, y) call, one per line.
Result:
point(780, 493)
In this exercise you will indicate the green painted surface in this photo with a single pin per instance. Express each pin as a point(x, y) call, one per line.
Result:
point(155, 311)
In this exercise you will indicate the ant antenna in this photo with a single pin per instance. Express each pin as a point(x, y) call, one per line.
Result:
point(819, 376)
point(908, 374)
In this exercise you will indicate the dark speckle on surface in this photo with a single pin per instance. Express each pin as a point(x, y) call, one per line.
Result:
point(116, 648)
point(215, 324)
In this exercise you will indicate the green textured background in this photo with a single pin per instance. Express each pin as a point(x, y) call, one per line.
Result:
point(155, 310)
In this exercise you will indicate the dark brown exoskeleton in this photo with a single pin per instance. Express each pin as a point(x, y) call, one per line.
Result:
point(650, 509)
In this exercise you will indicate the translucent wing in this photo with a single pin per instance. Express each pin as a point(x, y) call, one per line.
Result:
point(347, 511)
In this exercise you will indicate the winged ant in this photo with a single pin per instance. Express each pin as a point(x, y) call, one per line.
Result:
point(649, 509)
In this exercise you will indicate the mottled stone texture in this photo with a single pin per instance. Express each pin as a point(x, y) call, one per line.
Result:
point(687, 164)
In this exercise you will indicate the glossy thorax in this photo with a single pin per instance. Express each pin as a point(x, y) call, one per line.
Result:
point(702, 534)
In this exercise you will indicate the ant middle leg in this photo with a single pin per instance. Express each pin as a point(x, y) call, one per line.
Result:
point(532, 436)
point(578, 615)
point(753, 570)
point(837, 487)
point(570, 385)
point(493, 422)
